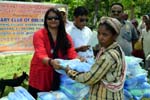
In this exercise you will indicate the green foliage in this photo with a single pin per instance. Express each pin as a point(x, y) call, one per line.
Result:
point(98, 8)
point(14, 64)
point(72, 4)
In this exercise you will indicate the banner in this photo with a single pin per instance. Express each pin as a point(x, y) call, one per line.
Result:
point(18, 22)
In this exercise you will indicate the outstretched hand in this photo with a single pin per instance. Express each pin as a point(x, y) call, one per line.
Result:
point(82, 59)
point(56, 64)
point(67, 68)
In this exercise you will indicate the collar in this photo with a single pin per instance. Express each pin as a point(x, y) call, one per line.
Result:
point(112, 46)
point(77, 27)
point(123, 22)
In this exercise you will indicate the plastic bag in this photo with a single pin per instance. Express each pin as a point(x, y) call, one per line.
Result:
point(24, 92)
point(46, 96)
point(127, 94)
point(75, 64)
point(73, 89)
point(4, 98)
point(53, 95)
point(20, 94)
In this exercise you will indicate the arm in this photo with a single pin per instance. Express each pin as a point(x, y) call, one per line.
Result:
point(82, 48)
point(97, 72)
point(40, 47)
point(135, 36)
point(71, 51)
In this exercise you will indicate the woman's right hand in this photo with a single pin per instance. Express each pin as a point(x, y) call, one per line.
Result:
point(56, 64)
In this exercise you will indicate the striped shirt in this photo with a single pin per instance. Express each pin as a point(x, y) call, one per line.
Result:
point(108, 67)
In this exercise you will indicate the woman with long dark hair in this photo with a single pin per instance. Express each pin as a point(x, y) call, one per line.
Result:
point(49, 42)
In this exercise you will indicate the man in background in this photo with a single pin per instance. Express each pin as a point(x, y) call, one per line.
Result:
point(68, 24)
point(81, 34)
point(128, 34)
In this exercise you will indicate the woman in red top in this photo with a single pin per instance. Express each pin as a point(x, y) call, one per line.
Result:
point(50, 42)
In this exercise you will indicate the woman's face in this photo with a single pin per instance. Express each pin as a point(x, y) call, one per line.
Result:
point(52, 20)
point(105, 36)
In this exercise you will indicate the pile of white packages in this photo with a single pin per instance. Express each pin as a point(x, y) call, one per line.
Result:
point(69, 89)
point(136, 86)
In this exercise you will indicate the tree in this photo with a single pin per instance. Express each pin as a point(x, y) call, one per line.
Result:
point(98, 8)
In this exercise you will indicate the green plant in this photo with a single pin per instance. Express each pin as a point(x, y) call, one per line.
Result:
point(12, 64)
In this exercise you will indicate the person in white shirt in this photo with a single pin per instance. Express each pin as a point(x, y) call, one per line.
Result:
point(81, 34)
point(146, 38)
point(142, 23)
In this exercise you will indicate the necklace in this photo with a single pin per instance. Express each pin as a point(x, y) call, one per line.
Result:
point(52, 51)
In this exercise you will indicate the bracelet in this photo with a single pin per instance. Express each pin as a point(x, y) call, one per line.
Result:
point(49, 62)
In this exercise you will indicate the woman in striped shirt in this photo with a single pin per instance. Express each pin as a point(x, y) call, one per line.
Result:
point(106, 77)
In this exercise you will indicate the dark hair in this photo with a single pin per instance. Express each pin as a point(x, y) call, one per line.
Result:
point(63, 13)
point(148, 14)
point(62, 41)
point(80, 11)
point(134, 22)
point(108, 27)
point(117, 4)
point(147, 21)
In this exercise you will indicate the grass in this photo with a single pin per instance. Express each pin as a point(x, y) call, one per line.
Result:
point(12, 64)
point(16, 64)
